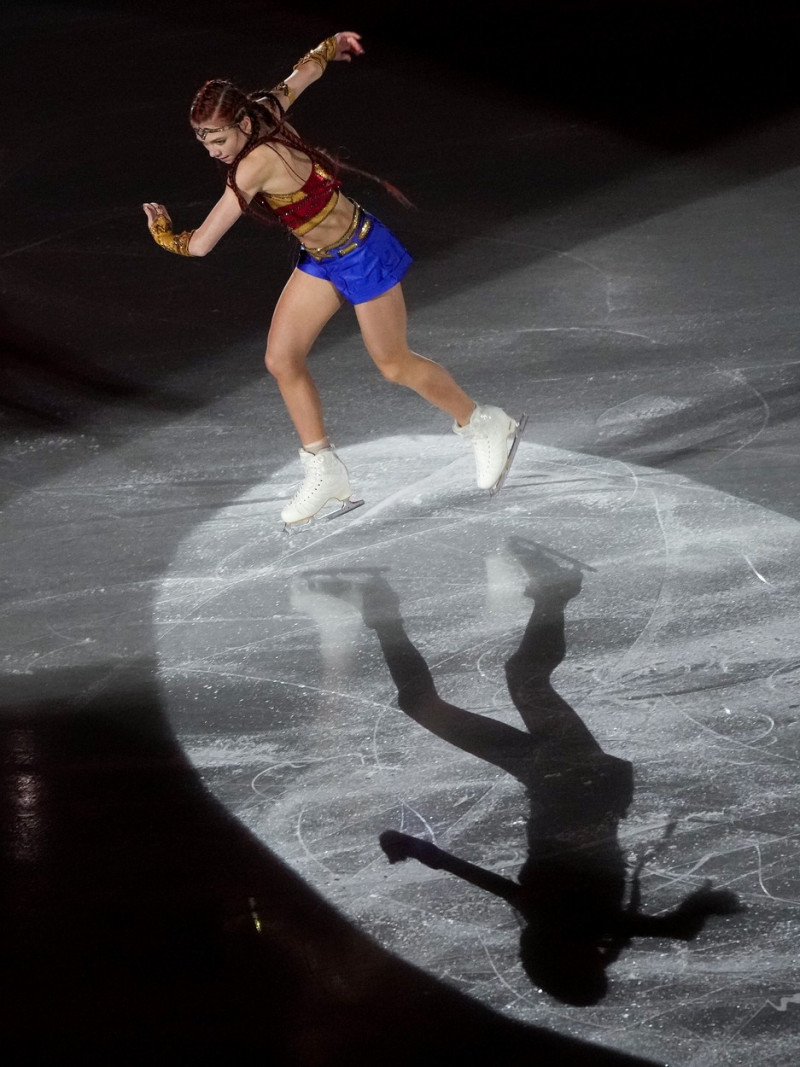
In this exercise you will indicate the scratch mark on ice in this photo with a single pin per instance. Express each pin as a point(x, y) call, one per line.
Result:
point(758, 575)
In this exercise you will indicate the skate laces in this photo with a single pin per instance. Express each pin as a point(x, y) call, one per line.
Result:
point(313, 476)
point(324, 472)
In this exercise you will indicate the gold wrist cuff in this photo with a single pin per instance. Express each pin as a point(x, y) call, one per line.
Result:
point(282, 89)
point(162, 234)
point(321, 55)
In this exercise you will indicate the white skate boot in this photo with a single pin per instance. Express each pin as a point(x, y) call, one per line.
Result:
point(494, 437)
point(325, 480)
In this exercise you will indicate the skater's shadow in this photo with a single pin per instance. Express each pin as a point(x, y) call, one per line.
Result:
point(577, 903)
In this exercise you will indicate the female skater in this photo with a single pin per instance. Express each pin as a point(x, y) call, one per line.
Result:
point(345, 255)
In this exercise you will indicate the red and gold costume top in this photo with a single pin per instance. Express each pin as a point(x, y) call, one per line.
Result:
point(304, 209)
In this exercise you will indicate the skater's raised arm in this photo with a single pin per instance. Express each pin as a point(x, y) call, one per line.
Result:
point(310, 67)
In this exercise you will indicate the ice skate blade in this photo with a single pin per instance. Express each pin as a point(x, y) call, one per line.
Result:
point(522, 422)
point(315, 520)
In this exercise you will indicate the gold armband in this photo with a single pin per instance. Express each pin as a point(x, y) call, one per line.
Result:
point(162, 233)
point(321, 55)
point(282, 89)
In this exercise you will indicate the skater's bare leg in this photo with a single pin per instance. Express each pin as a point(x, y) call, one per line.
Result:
point(303, 308)
point(489, 430)
point(383, 323)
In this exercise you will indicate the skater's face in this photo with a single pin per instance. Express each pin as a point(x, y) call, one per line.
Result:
point(224, 143)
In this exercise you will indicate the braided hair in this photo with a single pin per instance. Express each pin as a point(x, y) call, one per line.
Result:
point(221, 103)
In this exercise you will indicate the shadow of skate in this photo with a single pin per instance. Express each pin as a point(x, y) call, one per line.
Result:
point(570, 893)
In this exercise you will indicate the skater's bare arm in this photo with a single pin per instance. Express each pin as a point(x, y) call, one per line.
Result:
point(199, 242)
point(309, 68)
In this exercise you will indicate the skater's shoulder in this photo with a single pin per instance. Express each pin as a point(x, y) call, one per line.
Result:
point(272, 169)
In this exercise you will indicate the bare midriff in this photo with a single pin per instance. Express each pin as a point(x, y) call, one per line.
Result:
point(293, 173)
point(333, 228)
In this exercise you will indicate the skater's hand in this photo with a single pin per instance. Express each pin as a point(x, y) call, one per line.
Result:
point(153, 210)
point(348, 44)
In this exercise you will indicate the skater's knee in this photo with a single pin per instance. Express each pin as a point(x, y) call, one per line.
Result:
point(271, 362)
point(282, 365)
point(274, 363)
point(397, 368)
point(393, 373)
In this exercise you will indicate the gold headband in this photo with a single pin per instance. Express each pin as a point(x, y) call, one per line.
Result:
point(203, 131)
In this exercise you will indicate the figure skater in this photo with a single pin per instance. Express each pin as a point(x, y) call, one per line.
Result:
point(345, 255)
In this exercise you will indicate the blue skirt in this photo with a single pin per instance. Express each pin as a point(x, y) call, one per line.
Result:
point(368, 261)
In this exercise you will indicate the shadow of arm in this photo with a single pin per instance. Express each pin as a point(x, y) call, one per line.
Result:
point(399, 847)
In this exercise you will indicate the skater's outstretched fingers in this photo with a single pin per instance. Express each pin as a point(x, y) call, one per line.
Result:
point(152, 210)
point(348, 44)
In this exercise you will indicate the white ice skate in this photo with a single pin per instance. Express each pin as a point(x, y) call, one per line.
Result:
point(325, 480)
point(494, 437)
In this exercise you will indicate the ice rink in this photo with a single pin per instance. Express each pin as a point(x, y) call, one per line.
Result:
point(488, 779)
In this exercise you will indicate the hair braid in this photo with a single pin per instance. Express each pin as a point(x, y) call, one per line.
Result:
point(219, 102)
